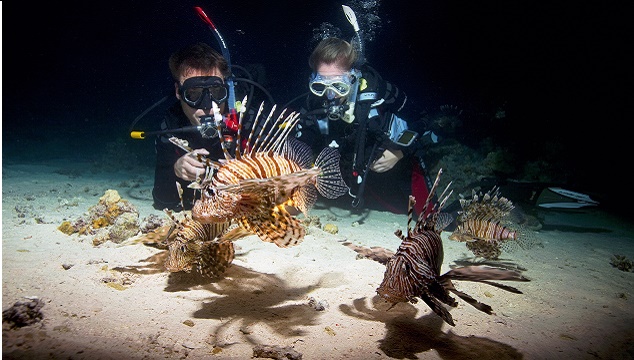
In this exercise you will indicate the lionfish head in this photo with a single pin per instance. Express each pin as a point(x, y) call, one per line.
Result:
point(398, 284)
point(216, 207)
point(181, 256)
point(386, 293)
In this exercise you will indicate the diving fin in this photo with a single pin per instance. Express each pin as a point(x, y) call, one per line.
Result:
point(559, 198)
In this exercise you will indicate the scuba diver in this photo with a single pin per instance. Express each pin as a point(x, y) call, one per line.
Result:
point(351, 107)
point(199, 74)
point(202, 76)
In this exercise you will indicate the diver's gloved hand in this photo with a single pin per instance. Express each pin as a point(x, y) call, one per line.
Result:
point(187, 167)
point(388, 159)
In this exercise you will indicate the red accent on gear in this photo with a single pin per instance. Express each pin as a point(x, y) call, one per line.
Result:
point(231, 121)
point(419, 188)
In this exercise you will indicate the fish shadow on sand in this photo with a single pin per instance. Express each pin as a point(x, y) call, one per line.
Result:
point(407, 335)
point(249, 298)
point(148, 266)
point(244, 296)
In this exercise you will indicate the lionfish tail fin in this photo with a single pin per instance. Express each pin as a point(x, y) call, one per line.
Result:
point(330, 183)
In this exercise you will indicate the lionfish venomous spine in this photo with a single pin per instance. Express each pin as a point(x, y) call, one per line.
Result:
point(254, 187)
point(414, 270)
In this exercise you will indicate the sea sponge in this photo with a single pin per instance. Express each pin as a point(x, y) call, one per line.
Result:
point(126, 226)
point(67, 228)
point(112, 218)
point(331, 228)
point(622, 263)
point(100, 222)
point(110, 197)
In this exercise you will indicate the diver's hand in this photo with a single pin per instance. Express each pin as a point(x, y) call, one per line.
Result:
point(187, 167)
point(386, 161)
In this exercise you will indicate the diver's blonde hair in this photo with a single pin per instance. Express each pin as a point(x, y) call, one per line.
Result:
point(333, 51)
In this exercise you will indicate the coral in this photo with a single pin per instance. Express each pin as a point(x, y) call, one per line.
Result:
point(23, 313)
point(152, 222)
point(331, 228)
point(99, 223)
point(125, 226)
point(500, 161)
point(67, 228)
point(110, 197)
point(312, 221)
point(621, 262)
point(117, 217)
point(276, 352)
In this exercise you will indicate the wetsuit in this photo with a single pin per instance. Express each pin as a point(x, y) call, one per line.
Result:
point(165, 193)
point(379, 103)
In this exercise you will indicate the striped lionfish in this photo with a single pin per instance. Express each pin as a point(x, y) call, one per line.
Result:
point(414, 270)
point(206, 248)
point(192, 245)
point(274, 172)
point(483, 224)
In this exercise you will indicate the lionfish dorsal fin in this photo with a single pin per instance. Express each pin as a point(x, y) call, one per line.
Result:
point(218, 118)
point(241, 110)
point(258, 139)
point(410, 214)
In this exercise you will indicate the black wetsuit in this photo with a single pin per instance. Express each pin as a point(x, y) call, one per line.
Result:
point(388, 190)
point(165, 193)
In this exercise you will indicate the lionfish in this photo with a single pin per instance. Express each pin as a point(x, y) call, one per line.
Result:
point(192, 246)
point(484, 225)
point(275, 171)
point(414, 270)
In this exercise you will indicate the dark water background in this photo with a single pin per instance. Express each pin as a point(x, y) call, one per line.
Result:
point(77, 73)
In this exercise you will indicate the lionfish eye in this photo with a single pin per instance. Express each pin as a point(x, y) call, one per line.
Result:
point(209, 192)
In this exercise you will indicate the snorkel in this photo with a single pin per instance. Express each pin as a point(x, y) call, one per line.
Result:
point(358, 38)
point(232, 119)
point(348, 116)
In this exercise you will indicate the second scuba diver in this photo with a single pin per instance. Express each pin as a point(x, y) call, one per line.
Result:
point(351, 107)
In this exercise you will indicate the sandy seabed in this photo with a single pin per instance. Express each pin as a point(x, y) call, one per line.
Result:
point(317, 298)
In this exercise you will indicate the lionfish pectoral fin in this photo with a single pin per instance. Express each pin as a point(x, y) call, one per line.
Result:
point(304, 198)
point(438, 308)
point(473, 302)
point(278, 227)
point(503, 287)
point(235, 234)
point(457, 236)
point(215, 258)
point(481, 272)
point(330, 183)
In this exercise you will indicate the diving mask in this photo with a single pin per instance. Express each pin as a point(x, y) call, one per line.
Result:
point(199, 91)
point(332, 85)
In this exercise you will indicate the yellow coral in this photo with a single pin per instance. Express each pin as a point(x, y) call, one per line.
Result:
point(331, 228)
point(113, 212)
point(67, 228)
point(100, 222)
